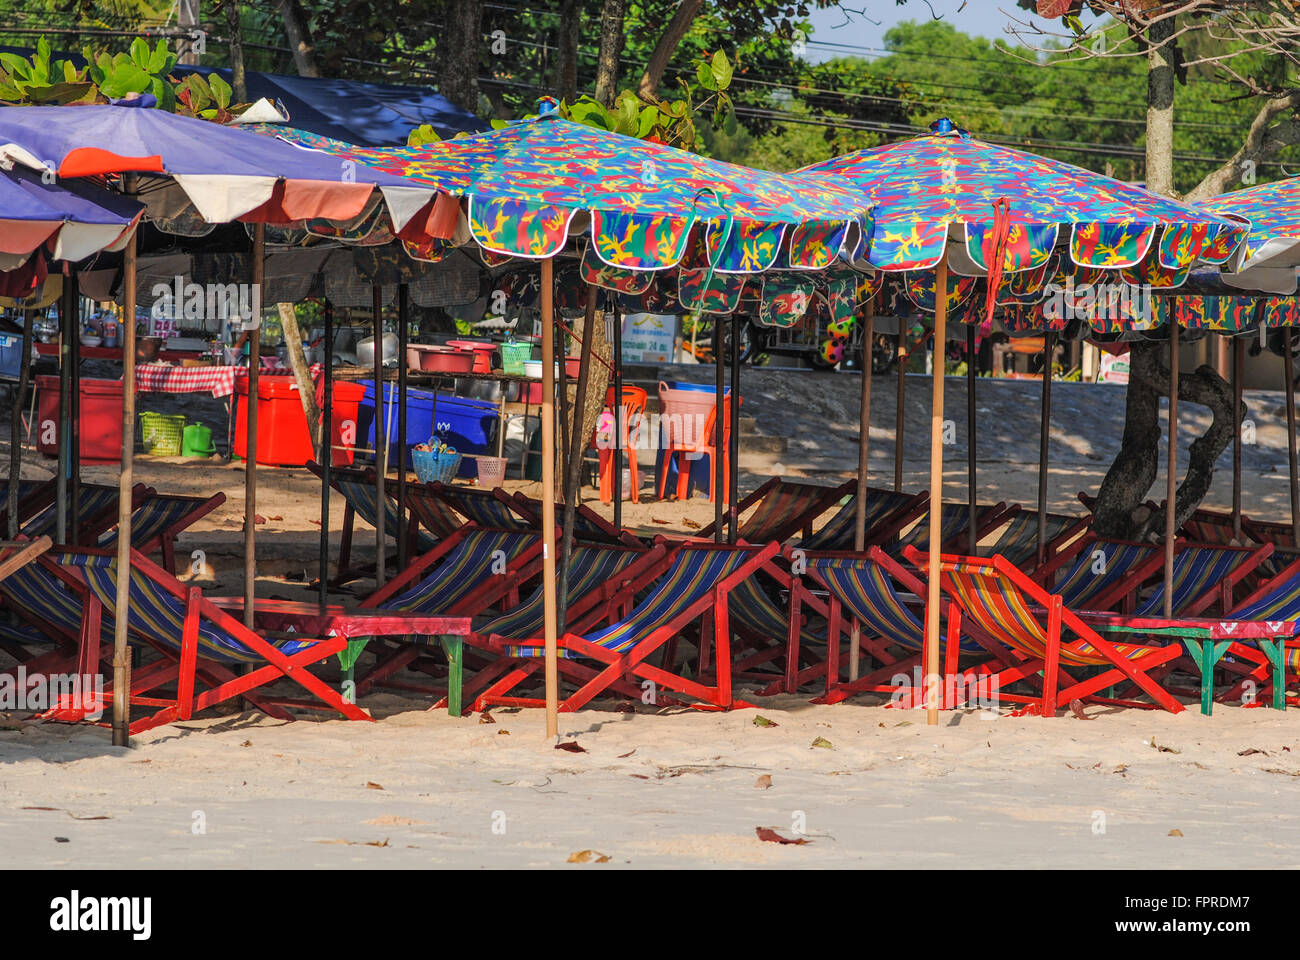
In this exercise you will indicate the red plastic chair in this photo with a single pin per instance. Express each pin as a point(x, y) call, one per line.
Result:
point(634, 401)
point(705, 443)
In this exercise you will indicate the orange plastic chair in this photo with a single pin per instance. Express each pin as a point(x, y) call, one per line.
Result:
point(634, 401)
point(705, 443)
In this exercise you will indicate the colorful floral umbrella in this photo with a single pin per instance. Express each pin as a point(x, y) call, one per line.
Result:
point(1267, 261)
point(532, 184)
point(946, 191)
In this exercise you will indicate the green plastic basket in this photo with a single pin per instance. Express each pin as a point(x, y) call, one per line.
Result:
point(161, 433)
point(513, 355)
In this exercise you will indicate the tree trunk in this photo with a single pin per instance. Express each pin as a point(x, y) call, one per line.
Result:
point(1120, 511)
point(236, 45)
point(1160, 108)
point(457, 53)
point(301, 371)
point(680, 23)
point(566, 64)
point(611, 48)
point(304, 55)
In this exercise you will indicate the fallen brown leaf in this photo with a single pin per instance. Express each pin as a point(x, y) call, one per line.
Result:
point(771, 836)
point(247, 743)
point(1285, 773)
point(624, 756)
point(572, 746)
point(1076, 708)
point(486, 717)
point(764, 782)
point(371, 785)
point(690, 524)
point(1250, 752)
point(357, 843)
point(657, 520)
point(1175, 832)
point(588, 856)
point(823, 743)
point(762, 721)
point(503, 733)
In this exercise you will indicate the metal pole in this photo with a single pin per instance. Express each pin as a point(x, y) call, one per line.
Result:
point(864, 443)
point(121, 652)
point(936, 497)
point(403, 322)
point(548, 498)
point(326, 450)
point(1238, 364)
point(1289, 362)
point(250, 464)
point(898, 416)
point(74, 432)
point(733, 443)
point(719, 421)
point(1172, 480)
point(68, 333)
point(972, 534)
point(620, 421)
point(1044, 441)
point(381, 431)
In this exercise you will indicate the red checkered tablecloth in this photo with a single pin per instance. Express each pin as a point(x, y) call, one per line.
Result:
point(219, 381)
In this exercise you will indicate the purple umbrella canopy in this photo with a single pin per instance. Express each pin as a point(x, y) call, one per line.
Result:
point(225, 173)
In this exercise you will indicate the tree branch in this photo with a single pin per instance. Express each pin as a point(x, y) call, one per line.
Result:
point(1262, 140)
point(680, 23)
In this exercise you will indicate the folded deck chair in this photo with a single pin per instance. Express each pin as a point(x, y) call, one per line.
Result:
point(33, 495)
point(431, 514)
point(588, 525)
point(1095, 574)
point(1017, 540)
point(160, 519)
point(954, 521)
point(1003, 605)
point(52, 614)
point(1203, 577)
point(887, 513)
point(782, 508)
point(199, 643)
point(696, 587)
point(358, 490)
point(97, 510)
point(488, 508)
point(602, 581)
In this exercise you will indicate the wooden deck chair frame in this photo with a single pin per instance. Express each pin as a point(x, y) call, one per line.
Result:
point(622, 672)
point(820, 499)
point(188, 669)
point(1058, 621)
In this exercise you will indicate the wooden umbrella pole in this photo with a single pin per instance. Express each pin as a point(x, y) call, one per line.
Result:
point(381, 432)
point(121, 651)
point(1171, 486)
point(932, 681)
point(719, 427)
point(1288, 359)
point(864, 445)
point(548, 498)
point(900, 360)
point(68, 331)
point(250, 461)
point(403, 323)
point(326, 450)
point(733, 443)
point(1044, 442)
point(620, 420)
point(577, 441)
point(1238, 363)
point(972, 531)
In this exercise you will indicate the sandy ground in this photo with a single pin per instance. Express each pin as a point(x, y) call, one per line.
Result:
point(675, 788)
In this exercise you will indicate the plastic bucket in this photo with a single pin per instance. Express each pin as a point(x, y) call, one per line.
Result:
point(683, 413)
point(161, 433)
point(491, 471)
point(513, 355)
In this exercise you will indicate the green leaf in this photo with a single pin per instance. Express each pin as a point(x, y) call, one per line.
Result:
point(762, 721)
point(705, 76)
point(19, 65)
point(823, 743)
point(646, 123)
point(721, 70)
point(125, 79)
point(220, 91)
point(140, 52)
point(158, 64)
point(59, 93)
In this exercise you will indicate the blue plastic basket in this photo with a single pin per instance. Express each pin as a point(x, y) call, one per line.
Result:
point(435, 466)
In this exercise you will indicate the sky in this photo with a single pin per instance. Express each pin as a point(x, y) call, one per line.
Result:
point(863, 23)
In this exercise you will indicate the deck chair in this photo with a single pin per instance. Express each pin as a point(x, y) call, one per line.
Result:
point(781, 508)
point(97, 510)
point(887, 513)
point(1003, 605)
point(487, 508)
point(431, 514)
point(1095, 574)
point(954, 521)
point(1017, 540)
point(33, 495)
point(588, 525)
point(358, 490)
point(696, 587)
point(602, 581)
point(52, 616)
point(160, 519)
point(198, 641)
point(468, 573)
point(1203, 577)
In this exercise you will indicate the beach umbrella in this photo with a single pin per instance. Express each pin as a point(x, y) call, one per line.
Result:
point(646, 208)
point(174, 164)
point(957, 207)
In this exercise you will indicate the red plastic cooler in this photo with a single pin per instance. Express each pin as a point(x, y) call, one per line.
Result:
point(282, 435)
point(100, 426)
